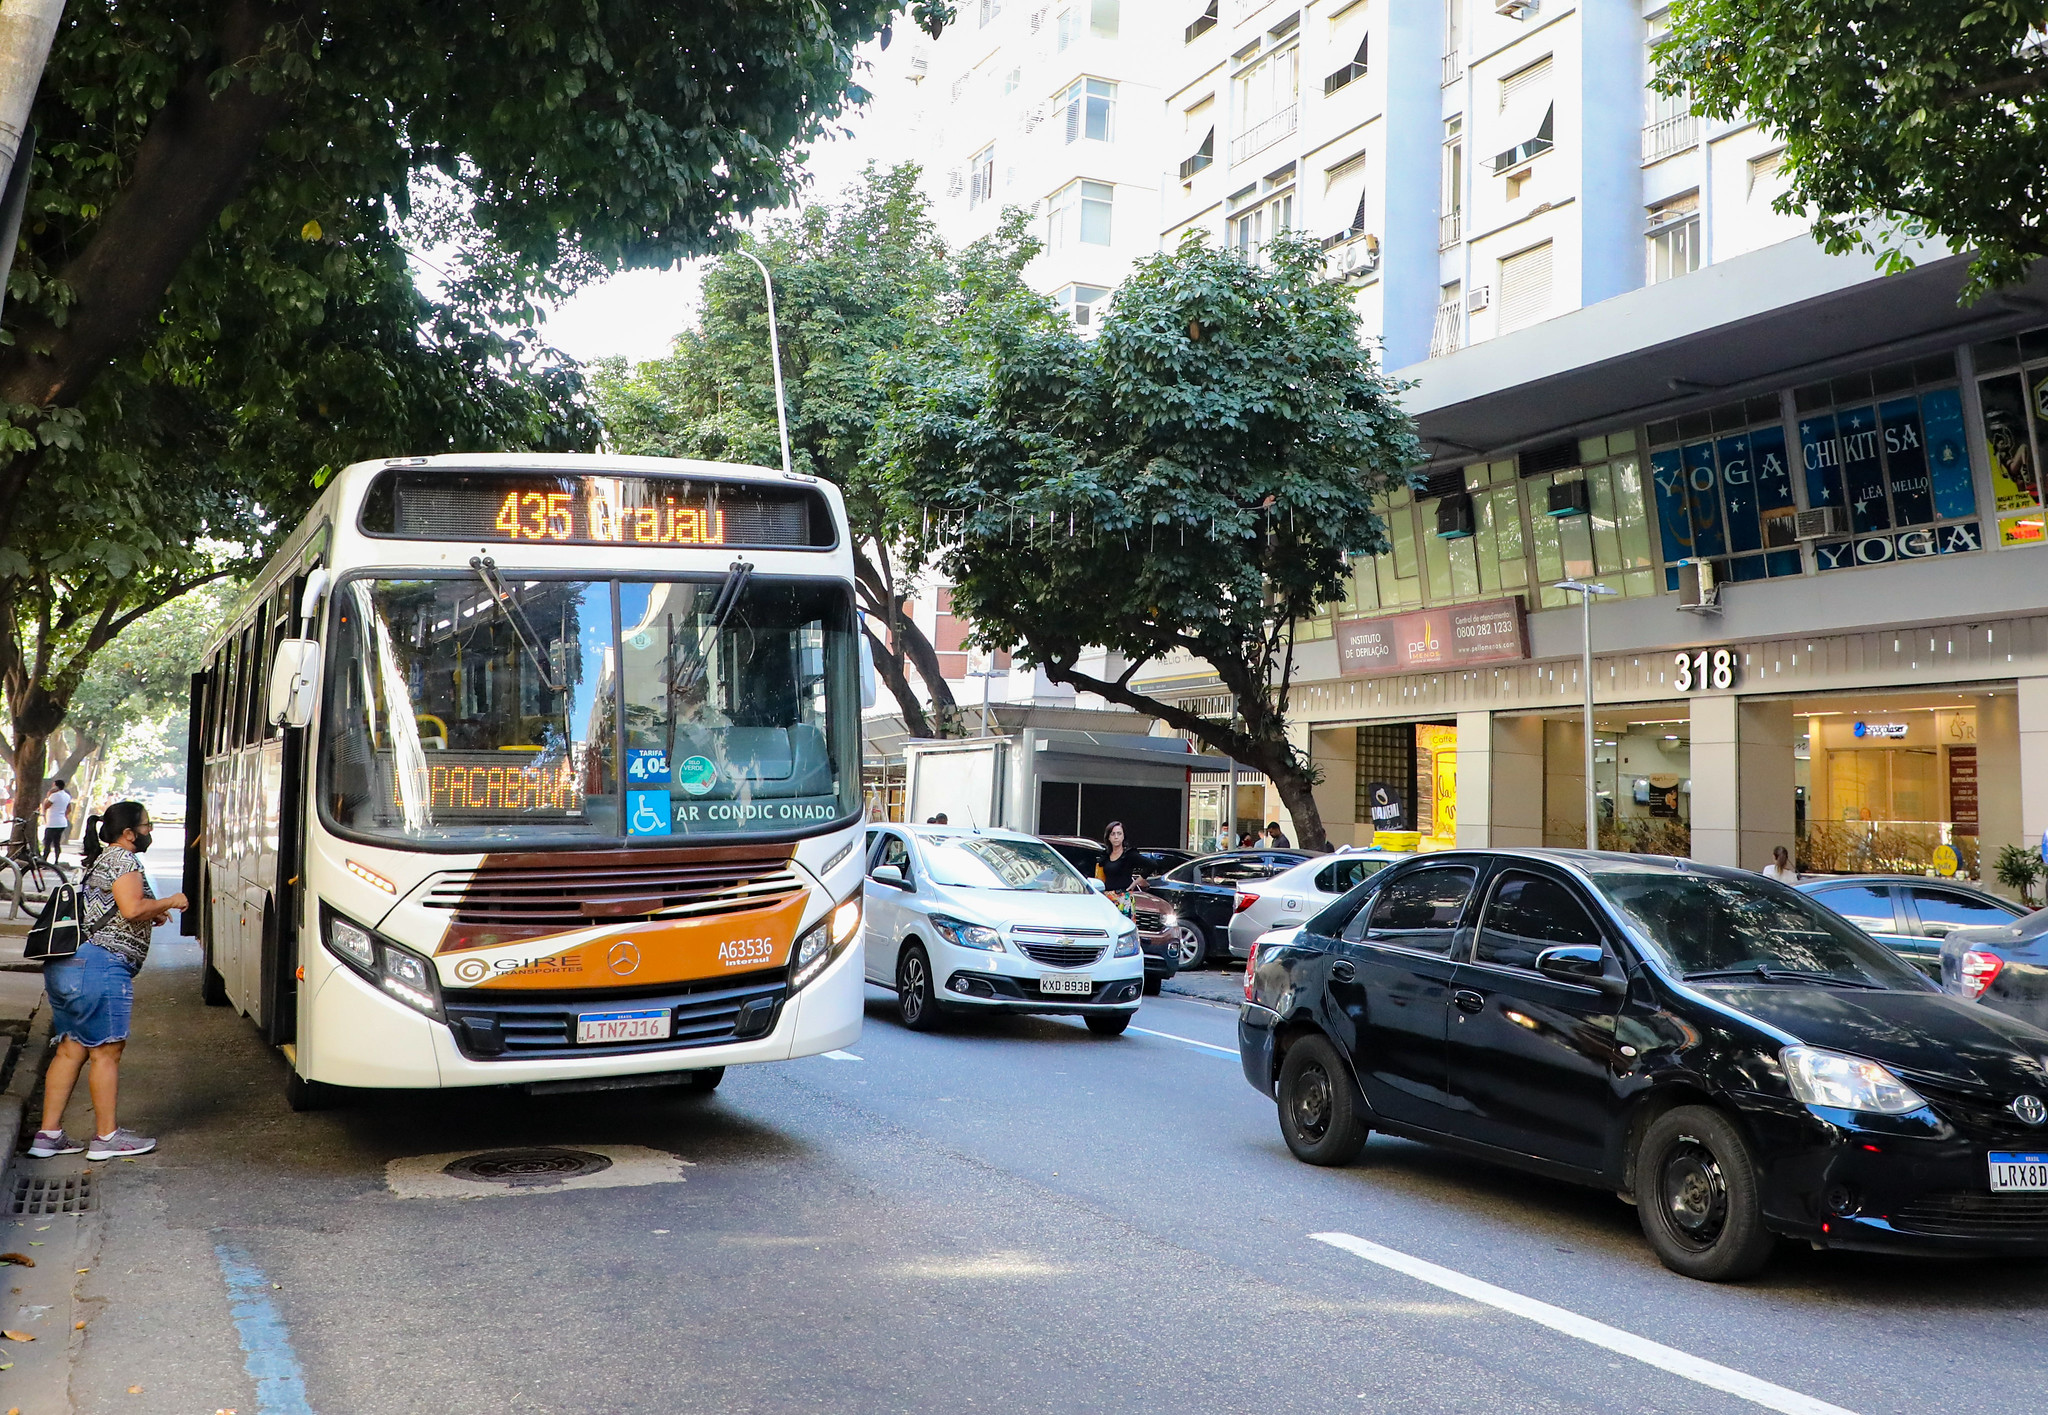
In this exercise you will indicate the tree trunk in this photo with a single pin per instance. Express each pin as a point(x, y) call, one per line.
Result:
point(1297, 793)
point(907, 645)
point(30, 755)
point(890, 667)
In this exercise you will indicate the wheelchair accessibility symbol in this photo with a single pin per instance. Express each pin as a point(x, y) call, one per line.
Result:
point(647, 813)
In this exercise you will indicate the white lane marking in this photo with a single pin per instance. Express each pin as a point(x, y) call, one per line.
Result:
point(1664, 1358)
point(842, 1056)
point(1230, 1052)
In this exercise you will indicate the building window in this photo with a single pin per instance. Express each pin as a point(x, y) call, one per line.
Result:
point(1083, 304)
point(1012, 81)
point(1068, 28)
point(1249, 231)
point(1203, 23)
point(1524, 288)
point(1267, 93)
point(1353, 70)
point(1451, 225)
point(1202, 157)
point(981, 177)
point(1723, 482)
point(1103, 17)
point(1763, 172)
point(1669, 125)
point(1091, 110)
point(1526, 109)
point(1449, 334)
point(1078, 214)
point(1887, 450)
point(2012, 383)
point(989, 9)
point(1674, 238)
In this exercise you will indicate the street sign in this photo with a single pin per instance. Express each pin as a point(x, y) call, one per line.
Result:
point(1945, 861)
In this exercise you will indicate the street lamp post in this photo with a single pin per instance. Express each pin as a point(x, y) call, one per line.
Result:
point(984, 674)
point(1585, 591)
point(775, 358)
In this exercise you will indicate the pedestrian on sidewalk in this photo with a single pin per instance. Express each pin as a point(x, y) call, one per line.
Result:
point(56, 819)
point(1119, 868)
point(92, 991)
point(1276, 838)
point(1780, 867)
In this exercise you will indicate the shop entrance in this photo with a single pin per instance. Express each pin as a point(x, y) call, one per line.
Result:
point(1886, 780)
point(1642, 777)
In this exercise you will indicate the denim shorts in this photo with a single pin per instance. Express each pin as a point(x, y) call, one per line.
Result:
point(91, 995)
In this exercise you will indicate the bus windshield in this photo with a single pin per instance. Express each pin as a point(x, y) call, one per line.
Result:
point(476, 710)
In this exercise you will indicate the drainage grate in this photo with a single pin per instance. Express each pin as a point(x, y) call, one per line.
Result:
point(521, 1168)
point(39, 1196)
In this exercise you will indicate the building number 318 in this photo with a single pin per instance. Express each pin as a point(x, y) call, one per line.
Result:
point(1702, 670)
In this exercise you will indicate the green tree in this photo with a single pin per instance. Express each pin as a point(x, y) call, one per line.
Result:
point(1195, 479)
point(858, 284)
point(1901, 122)
point(213, 303)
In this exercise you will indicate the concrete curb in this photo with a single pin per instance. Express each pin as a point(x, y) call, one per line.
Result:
point(28, 1072)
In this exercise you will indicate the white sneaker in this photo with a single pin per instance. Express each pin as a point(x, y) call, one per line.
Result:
point(122, 1144)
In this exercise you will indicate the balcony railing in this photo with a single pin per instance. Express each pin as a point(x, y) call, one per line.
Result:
point(1263, 134)
point(1450, 229)
point(1449, 334)
point(1668, 135)
point(1454, 68)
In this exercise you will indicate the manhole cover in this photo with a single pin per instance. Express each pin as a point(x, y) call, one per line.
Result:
point(521, 1168)
point(37, 1196)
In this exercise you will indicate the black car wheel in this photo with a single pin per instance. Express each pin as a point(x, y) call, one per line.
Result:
point(1152, 986)
point(1108, 1024)
point(1189, 943)
point(1319, 1110)
point(704, 1081)
point(915, 1003)
point(1696, 1193)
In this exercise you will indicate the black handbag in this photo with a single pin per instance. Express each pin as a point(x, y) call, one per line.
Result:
point(56, 933)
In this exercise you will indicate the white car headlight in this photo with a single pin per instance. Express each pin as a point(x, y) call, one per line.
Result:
point(966, 935)
point(1126, 944)
point(1828, 1078)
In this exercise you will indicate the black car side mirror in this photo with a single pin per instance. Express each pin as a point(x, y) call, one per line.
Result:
point(1582, 963)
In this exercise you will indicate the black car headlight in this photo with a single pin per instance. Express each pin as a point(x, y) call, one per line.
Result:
point(824, 941)
point(400, 972)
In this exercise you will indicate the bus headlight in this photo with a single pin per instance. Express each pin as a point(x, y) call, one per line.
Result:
point(397, 971)
point(823, 941)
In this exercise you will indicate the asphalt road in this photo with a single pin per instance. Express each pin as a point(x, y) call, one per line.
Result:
point(1013, 1216)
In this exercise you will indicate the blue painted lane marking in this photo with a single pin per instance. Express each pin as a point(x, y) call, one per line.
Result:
point(266, 1345)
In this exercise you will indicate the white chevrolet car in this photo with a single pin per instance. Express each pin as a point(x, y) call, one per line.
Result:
point(1294, 896)
point(962, 920)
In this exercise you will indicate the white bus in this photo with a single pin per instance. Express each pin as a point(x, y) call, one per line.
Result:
point(537, 770)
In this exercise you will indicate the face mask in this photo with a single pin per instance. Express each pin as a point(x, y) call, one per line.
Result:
point(142, 839)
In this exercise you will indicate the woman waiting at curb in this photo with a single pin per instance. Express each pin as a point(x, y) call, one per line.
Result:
point(1119, 868)
point(92, 991)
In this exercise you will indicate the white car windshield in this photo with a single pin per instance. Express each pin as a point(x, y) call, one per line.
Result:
point(986, 862)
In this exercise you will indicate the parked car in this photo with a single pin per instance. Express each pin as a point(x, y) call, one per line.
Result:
point(962, 920)
point(1299, 893)
point(1734, 1059)
point(2004, 968)
point(1910, 914)
point(1201, 895)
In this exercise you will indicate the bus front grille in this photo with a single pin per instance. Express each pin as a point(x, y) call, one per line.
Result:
point(497, 1026)
point(573, 896)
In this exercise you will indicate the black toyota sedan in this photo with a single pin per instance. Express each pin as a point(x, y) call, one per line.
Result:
point(1738, 1062)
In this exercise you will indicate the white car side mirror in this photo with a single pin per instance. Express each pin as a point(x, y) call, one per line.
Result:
point(294, 682)
point(1097, 885)
point(887, 874)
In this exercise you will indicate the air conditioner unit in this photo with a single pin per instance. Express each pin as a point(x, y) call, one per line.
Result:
point(1359, 257)
point(1479, 299)
point(1454, 516)
point(1820, 523)
point(1699, 590)
point(1570, 498)
point(1515, 9)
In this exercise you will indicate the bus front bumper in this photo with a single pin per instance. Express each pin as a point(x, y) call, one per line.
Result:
point(367, 1039)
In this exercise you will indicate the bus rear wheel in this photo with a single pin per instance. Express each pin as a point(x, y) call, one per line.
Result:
point(213, 988)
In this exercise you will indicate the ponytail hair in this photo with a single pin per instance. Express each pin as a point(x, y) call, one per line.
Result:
point(120, 818)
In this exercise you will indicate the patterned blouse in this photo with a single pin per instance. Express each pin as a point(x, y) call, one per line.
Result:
point(126, 939)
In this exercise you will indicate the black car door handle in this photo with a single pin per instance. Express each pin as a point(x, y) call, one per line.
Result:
point(1342, 971)
point(1467, 1000)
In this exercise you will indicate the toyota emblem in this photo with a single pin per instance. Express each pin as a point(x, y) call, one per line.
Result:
point(625, 957)
point(2029, 1108)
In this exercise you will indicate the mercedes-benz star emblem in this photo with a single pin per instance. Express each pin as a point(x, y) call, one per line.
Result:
point(2030, 1109)
point(625, 958)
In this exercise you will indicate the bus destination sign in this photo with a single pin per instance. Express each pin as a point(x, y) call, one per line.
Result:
point(536, 508)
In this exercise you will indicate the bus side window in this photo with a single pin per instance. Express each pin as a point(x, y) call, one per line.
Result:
point(224, 710)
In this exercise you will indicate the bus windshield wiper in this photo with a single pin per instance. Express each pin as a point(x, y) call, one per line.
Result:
point(487, 571)
point(1769, 974)
point(686, 675)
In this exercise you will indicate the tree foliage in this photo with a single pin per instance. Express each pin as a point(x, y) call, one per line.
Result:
point(1902, 122)
point(1192, 480)
point(858, 285)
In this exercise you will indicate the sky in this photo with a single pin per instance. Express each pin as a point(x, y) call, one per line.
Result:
point(638, 313)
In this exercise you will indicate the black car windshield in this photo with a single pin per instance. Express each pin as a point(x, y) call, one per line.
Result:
point(992, 862)
point(465, 712)
point(1706, 926)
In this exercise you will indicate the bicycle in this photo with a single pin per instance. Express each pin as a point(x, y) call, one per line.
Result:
point(33, 876)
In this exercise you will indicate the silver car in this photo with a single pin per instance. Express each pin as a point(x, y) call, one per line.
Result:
point(1296, 895)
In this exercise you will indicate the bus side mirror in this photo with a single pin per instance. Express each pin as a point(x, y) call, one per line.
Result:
point(315, 592)
point(294, 682)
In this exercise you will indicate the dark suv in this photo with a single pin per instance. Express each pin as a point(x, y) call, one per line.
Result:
point(1737, 1061)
